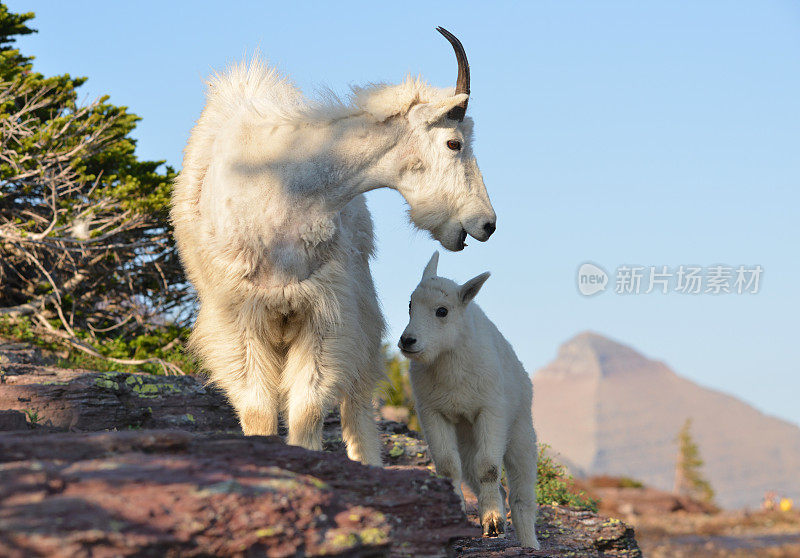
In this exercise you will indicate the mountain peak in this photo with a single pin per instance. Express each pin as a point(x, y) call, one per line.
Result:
point(610, 410)
point(590, 353)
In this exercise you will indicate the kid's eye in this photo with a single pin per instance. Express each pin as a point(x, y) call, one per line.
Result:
point(441, 312)
point(455, 145)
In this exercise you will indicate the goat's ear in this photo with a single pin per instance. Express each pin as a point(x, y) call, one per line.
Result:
point(385, 102)
point(470, 289)
point(430, 269)
point(429, 113)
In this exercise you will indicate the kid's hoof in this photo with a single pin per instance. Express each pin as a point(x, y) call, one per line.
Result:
point(493, 525)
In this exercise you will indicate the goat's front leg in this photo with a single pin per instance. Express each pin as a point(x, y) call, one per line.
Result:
point(257, 402)
point(443, 447)
point(310, 384)
point(243, 365)
point(359, 430)
point(489, 435)
point(258, 413)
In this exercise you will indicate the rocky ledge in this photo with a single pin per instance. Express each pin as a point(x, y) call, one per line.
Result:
point(101, 464)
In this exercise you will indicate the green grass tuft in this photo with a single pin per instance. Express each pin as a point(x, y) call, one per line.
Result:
point(555, 487)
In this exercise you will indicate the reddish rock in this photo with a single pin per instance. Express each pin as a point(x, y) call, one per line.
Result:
point(65, 399)
point(203, 489)
point(646, 501)
point(621, 497)
point(13, 420)
point(162, 493)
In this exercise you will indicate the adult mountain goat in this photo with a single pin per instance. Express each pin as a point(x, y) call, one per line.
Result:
point(274, 232)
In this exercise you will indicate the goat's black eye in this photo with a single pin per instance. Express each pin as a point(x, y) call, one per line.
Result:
point(441, 312)
point(455, 145)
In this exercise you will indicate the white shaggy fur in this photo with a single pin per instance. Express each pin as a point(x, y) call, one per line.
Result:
point(473, 398)
point(274, 232)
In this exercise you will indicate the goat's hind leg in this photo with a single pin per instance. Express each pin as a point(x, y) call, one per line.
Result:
point(359, 430)
point(520, 462)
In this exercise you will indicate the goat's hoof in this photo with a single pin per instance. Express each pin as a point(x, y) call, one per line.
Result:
point(462, 501)
point(493, 524)
point(530, 543)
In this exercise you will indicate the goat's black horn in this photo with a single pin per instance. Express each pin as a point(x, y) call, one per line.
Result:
point(462, 83)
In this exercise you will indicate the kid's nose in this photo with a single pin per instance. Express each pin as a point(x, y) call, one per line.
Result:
point(406, 342)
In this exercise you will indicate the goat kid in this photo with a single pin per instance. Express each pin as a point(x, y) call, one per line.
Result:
point(473, 398)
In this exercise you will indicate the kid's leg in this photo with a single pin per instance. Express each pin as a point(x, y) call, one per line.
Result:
point(490, 440)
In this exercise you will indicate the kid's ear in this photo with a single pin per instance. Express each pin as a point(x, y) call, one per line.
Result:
point(429, 113)
point(433, 264)
point(470, 289)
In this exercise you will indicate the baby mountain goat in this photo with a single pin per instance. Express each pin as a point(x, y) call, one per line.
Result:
point(272, 227)
point(473, 398)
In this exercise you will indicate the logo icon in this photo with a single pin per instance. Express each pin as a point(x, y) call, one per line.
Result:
point(592, 279)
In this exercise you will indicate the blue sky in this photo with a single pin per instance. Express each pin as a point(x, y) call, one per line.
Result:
point(615, 132)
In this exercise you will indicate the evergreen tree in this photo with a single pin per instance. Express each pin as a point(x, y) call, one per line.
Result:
point(86, 254)
point(689, 479)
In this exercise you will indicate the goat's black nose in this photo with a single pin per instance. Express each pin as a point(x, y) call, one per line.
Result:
point(489, 227)
point(407, 342)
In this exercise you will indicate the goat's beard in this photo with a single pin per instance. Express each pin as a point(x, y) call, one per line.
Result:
point(446, 229)
point(451, 236)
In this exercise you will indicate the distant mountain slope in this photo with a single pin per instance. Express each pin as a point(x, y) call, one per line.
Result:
point(609, 410)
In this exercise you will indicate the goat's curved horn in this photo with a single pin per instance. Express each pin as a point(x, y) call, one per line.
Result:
point(462, 83)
